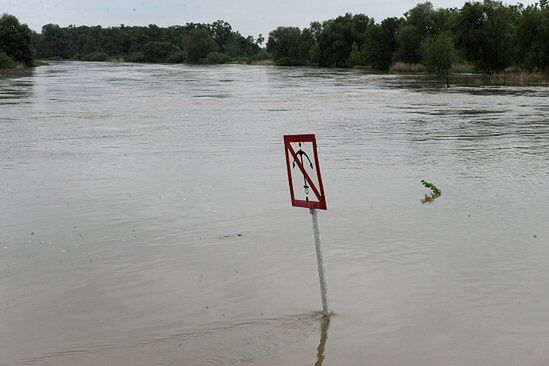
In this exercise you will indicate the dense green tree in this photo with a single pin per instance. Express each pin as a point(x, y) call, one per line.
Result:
point(422, 21)
point(355, 57)
point(485, 34)
point(54, 42)
point(197, 44)
point(222, 34)
point(285, 46)
point(16, 40)
point(307, 45)
point(336, 39)
point(421, 17)
point(408, 41)
point(429, 21)
point(443, 21)
point(533, 37)
point(380, 44)
point(158, 51)
point(238, 45)
point(438, 55)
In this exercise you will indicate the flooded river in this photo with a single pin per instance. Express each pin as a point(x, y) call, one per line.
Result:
point(145, 218)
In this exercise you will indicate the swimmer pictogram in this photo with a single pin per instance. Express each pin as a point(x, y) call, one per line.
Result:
point(305, 159)
point(300, 153)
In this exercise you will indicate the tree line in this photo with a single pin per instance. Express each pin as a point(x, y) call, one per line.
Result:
point(489, 35)
point(192, 43)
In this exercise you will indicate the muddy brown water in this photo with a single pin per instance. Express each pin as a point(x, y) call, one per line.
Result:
point(145, 218)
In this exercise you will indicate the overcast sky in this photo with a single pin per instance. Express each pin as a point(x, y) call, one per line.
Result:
point(247, 16)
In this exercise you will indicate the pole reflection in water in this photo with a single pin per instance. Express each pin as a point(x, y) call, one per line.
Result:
point(323, 337)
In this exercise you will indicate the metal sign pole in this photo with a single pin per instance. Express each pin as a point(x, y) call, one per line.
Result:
point(320, 262)
point(315, 200)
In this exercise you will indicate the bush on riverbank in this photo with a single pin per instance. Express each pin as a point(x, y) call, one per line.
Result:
point(95, 56)
point(289, 61)
point(15, 42)
point(159, 52)
point(262, 57)
point(216, 58)
point(6, 62)
point(177, 57)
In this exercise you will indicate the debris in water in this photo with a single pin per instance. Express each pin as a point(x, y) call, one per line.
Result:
point(227, 236)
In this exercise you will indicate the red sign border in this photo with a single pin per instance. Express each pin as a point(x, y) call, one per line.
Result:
point(319, 191)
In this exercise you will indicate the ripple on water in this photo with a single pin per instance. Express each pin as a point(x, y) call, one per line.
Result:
point(224, 345)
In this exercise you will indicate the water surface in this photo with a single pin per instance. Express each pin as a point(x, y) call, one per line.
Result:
point(145, 218)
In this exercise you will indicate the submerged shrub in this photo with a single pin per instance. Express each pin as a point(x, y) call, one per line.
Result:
point(438, 55)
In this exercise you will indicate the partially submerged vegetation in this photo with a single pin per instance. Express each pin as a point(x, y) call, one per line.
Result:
point(519, 78)
point(487, 36)
point(435, 192)
point(405, 68)
point(438, 54)
point(431, 186)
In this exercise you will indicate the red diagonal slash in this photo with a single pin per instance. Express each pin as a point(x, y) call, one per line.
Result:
point(305, 174)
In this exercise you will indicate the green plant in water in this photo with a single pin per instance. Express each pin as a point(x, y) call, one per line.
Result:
point(436, 192)
point(431, 186)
